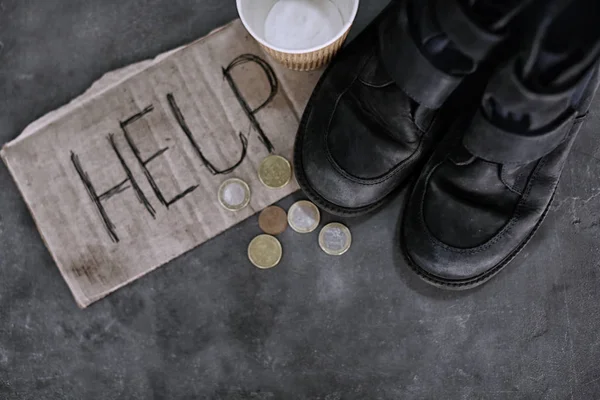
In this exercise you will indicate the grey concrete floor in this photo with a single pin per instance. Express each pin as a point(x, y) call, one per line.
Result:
point(209, 326)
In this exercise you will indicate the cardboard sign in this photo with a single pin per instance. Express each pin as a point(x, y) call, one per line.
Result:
point(125, 178)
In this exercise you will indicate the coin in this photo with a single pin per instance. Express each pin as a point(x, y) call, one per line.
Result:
point(335, 239)
point(275, 172)
point(234, 194)
point(273, 220)
point(264, 251)
point(304, 216)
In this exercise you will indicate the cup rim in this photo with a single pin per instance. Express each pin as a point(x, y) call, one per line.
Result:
point(337, 37)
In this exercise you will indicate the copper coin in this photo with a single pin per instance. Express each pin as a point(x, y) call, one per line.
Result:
point(273, 220)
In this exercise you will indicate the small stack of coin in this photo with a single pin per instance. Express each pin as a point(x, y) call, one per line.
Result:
point(265, 251)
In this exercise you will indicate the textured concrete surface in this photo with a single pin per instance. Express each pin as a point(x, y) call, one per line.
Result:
point(209, 326)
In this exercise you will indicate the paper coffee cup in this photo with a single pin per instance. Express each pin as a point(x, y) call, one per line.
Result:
point(300, 34)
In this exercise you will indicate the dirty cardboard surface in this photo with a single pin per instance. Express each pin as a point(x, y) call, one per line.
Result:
point(125, 178)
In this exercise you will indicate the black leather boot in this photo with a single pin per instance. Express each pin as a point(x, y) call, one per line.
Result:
point(376, 112)
point(489, 184)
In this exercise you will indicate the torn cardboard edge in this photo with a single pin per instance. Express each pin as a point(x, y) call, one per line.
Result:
point(103, 84)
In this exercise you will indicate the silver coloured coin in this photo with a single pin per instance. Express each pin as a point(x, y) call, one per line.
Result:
point(335, 239)
point(304, 217)
point(234, 194)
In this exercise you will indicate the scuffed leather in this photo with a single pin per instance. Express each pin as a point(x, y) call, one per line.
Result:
point(492, 143)
point(362, 134)
point(410, 69)
point(467, 217)
point(465, 33)
point(360, 140)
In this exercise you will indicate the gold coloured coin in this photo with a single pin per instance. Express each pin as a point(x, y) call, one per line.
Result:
point(273, 220)
point(275, 172)
point(265, 251)
point(234, 194)
point(335, 239)
point(304, 216)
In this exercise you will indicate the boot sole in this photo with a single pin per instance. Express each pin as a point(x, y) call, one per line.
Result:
point(477, 280)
